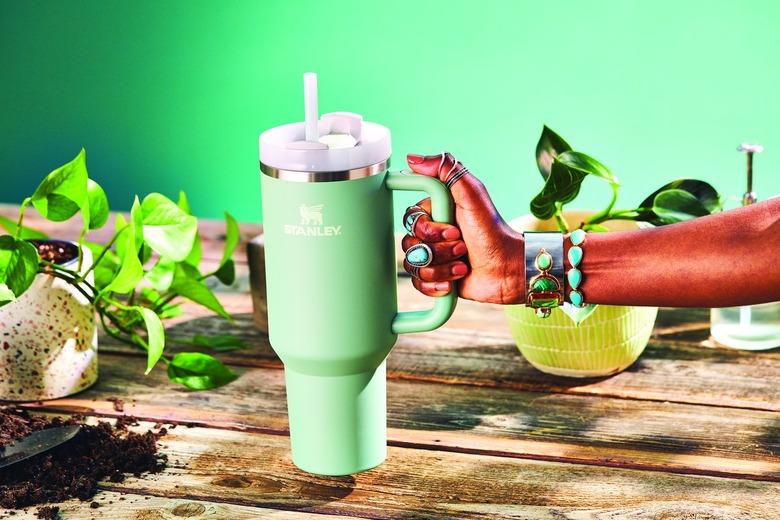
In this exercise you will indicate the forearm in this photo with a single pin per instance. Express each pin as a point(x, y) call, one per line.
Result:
point(726, 259)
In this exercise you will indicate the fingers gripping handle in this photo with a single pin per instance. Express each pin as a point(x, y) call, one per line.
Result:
point(442, 211)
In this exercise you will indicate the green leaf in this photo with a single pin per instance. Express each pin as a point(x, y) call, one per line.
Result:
point(171, 311)
point(96, 209)
point(167, 229)
point(121, 226)
point(64, 191)
point(27, 233)
point(134, 228)
point(232, 238)
point(193, 258)
point(226, 273)
point(153, 299)
point(702, 191)
point(184, 203)
point(130, 271)
point(155, 337)
point(199, 371)
point(137, 219)
point(145, 254)
point(161, 275)
point(547, 149)
point(108, 266)
point(150, 295)
point(220, 342)
point(586, 164)
point(187, 283)
point(562, 186)
point(677, 206)
point(6, 294)
point(195, 255)
point(18, 266)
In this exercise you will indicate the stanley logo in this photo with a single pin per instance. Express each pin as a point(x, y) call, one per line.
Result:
point(310, 224)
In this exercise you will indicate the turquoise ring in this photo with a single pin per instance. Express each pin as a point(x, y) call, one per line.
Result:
point(413, 214)
point(419, 255)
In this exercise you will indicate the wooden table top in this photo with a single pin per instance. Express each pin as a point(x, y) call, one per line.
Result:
point(689, 431)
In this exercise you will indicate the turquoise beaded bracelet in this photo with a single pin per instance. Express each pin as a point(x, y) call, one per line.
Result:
point(574, 275)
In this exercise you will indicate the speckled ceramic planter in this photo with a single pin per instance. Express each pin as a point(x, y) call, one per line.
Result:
point(48, 340)
point(607, 342)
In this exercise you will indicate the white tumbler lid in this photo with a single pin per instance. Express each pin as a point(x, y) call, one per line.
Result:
point(283, 147)
point(338, 141)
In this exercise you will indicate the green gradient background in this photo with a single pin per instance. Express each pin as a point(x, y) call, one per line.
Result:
point(172, 95)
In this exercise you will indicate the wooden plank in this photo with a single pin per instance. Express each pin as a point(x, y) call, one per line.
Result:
point(475, 348)
point(582, 429)
point(145, 507)
point(255, 470)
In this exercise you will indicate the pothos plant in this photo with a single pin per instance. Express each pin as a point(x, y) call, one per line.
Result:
point(564, 170)
point(142, 274)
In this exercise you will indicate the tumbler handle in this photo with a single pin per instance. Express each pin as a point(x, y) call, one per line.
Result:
point(442, 211)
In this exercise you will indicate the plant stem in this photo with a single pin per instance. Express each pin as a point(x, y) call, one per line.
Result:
point(111, 332)
point(603, 215)
point(26, 202)
point(78, 287)
point(633, 210)
point(618, 216)
point(80, 263)
point(95, 299)
point(122, 327)
point(164, 301)
point(102, 253)
point(76, 279)
point(563, 226)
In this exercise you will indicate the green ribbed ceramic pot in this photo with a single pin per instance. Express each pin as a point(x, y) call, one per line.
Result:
point(606, 343)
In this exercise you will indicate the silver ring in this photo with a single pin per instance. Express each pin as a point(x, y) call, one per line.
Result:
point(419, 255)
point(455, 177)
point(414, 271)
point(410, 220)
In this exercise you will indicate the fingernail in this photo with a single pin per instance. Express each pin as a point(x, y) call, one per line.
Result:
point(451, 233)
point(459, 249)
point(442, 286)
point(459, 269)
point(413, 158)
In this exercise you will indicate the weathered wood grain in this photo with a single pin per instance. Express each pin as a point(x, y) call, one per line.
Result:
point(129, 506)
point(581, 429)
point(255, 470)
point(475, 348)
point(499, 440)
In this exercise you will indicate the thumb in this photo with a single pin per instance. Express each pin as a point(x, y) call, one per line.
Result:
point(468, 192)
point(429, 165)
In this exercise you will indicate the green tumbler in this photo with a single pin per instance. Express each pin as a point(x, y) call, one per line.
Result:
point(331, 284)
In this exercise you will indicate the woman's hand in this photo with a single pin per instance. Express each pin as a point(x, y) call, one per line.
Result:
point(493, 269)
